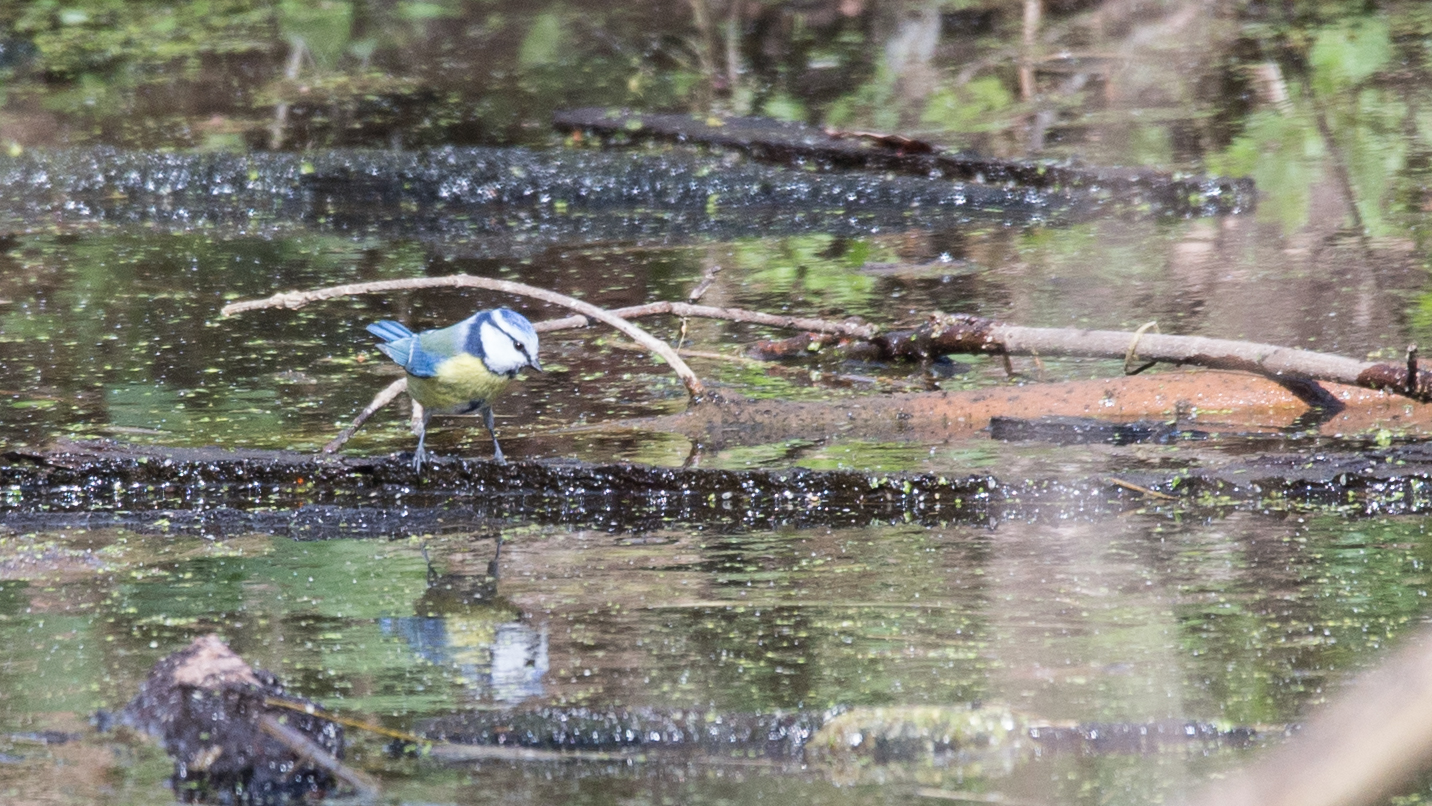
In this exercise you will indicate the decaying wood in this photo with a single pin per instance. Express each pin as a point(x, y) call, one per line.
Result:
point(800, 145)
point(1212, 400)
point(211, 711)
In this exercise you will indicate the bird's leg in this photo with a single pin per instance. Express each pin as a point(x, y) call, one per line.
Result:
point(492, 429)
point(421, 453)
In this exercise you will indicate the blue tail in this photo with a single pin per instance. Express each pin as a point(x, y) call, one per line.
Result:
point(389, 331)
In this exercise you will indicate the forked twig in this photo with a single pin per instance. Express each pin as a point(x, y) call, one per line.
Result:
point(298, 299)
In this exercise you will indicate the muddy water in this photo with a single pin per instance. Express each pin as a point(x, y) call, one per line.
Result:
point(110, 329)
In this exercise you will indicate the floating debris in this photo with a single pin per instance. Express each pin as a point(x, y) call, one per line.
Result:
point(235, 735)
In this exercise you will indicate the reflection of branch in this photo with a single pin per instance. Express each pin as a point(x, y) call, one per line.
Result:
point(705, 52)
point(310, 751)
point(296, 52)
point(1339, 161)
point(298, 299)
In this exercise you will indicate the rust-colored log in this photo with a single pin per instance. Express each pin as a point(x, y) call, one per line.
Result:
point(1211, 400)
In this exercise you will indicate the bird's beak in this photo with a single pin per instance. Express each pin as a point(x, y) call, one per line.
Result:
point(534, 363)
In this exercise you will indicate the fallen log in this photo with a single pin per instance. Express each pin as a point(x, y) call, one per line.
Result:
point(803, 146)
point(211, 711)
point(480, 201)
point(220, 493)
point(1233, 402)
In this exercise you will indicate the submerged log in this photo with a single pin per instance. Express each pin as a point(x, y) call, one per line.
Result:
point(801, 145)
point(481, 200)
point(894, 735)
point(220, 720)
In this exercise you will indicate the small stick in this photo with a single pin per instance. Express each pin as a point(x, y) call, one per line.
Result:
point(380, 400)
point(303, 746)
point(1410, 386)
point(1134, 348)
point(733, 359)
point(1129, 485)
point(358, 724)
point(706, 281)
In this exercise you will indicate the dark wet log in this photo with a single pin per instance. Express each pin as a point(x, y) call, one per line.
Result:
point(213, 714)
point(312, 497)
point(800, 145)
point(1087, 431)
point(890, 735)
point(219, 493)
point(484, 201)
point(773, 735)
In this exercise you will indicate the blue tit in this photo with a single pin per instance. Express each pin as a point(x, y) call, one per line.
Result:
point(460, 369)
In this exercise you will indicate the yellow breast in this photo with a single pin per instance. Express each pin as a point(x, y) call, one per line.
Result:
point(459, 382)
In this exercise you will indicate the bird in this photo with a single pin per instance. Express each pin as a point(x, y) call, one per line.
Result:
point(461, 368)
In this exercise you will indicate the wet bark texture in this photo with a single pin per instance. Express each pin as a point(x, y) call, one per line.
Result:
point(207, 706)
point(220, 493)
point(799, 145)
point(484, 201)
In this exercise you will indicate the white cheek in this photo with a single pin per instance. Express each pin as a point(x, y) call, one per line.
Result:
point(498, 352)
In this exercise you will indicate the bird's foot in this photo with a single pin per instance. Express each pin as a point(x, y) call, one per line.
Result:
point(419, 456)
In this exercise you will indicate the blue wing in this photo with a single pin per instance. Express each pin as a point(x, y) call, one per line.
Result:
point(402, 345)
point(388, 330)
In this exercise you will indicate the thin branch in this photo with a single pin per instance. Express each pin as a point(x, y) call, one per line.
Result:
point(946, 334)
point(707, 280)
point(298, 299)
point(448, 751)
point(380, 400)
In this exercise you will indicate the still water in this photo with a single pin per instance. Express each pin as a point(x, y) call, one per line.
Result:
point(110, 329)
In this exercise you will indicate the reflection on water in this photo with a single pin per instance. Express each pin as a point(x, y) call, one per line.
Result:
point(502, 662)
point(1244, 621)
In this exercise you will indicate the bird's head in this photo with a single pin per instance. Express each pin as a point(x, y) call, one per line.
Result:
point(504, 340)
